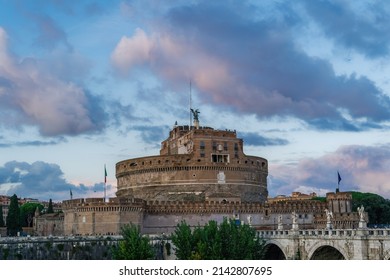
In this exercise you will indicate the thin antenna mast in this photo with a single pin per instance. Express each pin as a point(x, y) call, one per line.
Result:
point(105, 182)
point(190, 106)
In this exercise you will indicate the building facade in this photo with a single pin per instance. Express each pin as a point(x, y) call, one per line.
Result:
point(201, 175)
point(95, 216)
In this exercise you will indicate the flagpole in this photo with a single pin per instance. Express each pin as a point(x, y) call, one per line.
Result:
point(105, 180)
point(190, 106)
point(338, 183)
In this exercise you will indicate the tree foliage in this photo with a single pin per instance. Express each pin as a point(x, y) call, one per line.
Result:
point(1, 216)
point(27, 213)
point(134, 246)
point(377, 207)
point(227, 241)
point(13, 217)
point(50, 207)
point(319, 198)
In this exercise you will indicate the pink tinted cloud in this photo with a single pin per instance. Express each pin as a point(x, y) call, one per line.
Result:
point(178, 59)
point(34, 96)
point(132, 51)
point(362, 168)
point(174, 59)
point(250, 64)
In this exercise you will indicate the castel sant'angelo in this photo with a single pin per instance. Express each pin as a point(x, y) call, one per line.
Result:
point(201, 174)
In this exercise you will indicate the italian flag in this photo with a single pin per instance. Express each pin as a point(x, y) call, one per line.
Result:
point(105, 174)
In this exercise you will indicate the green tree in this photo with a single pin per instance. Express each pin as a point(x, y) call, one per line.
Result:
point(184, 238)
point(13, 217)
point(207, 242)
point(134, 246)
point(50, 207)
point(27, 213)
point(377, 207)
point(227, 241)
point(1, 216)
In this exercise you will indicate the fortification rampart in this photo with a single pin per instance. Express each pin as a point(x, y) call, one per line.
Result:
point(177, 163)
point(99, 201)
point(163, 216)
point(178, 177)
point(94, 216)
point(195, 164)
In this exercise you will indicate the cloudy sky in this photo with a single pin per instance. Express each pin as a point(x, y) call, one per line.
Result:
point(86, 83)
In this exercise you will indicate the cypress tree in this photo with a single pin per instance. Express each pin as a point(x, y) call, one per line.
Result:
point(1, 216)
point(50, 207)
point(13, 217)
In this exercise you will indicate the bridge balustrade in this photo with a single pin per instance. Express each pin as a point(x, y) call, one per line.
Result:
point(379, 232)
point(326, 232)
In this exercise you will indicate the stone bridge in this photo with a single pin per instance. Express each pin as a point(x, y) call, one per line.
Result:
point(328, 244)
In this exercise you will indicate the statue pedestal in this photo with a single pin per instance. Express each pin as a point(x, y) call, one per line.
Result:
point(280, 227)
point(294, 227)
point(329, 225)
point(362, 224)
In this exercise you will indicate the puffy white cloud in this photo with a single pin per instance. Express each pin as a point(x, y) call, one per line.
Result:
point(43, 181)
point(362, 168)
point(31, 95)
point(251, 64)
point(132, 51)
point(174, 59)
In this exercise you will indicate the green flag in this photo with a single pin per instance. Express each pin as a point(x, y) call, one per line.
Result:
point(105, 174)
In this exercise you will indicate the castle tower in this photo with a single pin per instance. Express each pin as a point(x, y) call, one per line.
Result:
point(339, 202)
point(199, 164)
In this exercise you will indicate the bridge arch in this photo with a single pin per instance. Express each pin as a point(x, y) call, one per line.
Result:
point(274, 251)
point(386, 255)
point(324, 251)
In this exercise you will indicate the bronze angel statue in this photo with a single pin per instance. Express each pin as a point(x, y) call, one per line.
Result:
point(195, 113)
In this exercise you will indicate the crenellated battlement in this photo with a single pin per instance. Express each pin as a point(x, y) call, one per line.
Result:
point(339, 196)
point(156, 206)
point(302, 206)
point(100, 202)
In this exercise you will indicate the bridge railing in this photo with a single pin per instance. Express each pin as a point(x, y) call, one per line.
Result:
point(325, 232)
point(58, 239)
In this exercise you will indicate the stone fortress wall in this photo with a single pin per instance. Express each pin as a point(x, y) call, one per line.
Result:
point(195, 165)
point(96, 217)
point(201, 174)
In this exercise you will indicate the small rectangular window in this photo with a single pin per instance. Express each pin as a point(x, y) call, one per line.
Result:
point(220, 158)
